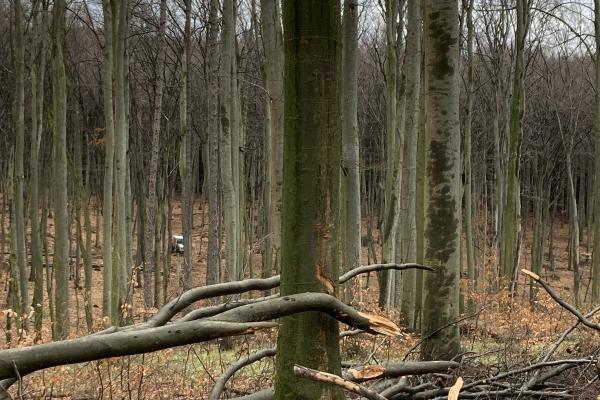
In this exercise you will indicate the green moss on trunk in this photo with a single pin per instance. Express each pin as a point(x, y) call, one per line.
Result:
point(310, 236)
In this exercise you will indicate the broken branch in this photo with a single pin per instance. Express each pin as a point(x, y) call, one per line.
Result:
point(560, 301)
point(326, 377)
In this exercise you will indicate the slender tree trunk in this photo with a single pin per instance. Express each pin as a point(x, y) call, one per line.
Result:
point(237, 156)
point(574, 219)
point(468, 185)
point(37, 125)
point(537, 241)
point(312, 159)
point(61, 244)
point(511, 221)
point(273, 48)
point(187, 164)
point(109, 150)
point(442, 214)
point(151, 202)
point(596, 260)
point(212, 275)
point(120, 281)
point(391, 158)
point(230, 209)
point(19, 173)
point(350, 140)
point(412, 64)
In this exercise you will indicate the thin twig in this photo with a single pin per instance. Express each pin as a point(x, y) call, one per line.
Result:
point(584, 320)
point(432, 334)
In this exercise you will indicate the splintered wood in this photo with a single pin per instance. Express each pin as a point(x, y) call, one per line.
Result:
point(381, 325)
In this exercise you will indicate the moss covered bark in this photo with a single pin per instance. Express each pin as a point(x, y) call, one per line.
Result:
point(312, 144)
point(442, 193)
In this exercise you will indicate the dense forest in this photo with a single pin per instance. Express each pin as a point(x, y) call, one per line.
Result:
point(299, 199)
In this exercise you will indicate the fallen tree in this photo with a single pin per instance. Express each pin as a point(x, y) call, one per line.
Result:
point(532, 380)
point(228, 319)
point(246, 316)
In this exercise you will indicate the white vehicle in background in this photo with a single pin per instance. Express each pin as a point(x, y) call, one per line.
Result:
point(177, 244)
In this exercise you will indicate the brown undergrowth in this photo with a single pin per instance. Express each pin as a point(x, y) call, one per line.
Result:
point(499, 330)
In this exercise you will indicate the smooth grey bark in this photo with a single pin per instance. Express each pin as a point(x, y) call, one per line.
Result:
point(109, 150)
point(596, 260)
point(511, 221)
point(272, 37)
point(350, 141)
point(420, 184)
point(19, 173)
point(228, 129)
point(212, 275)
point(37, 125)
point(120, 282)
point(468, 184)
point(187, 159)
point(245, 319)
point(151, 201)
point(237, 153)
point(390, 203)
point(408, 240)
point(442, 213)
point(59, 102)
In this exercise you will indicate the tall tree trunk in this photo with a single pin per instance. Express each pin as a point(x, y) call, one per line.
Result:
point(537, 244)
point(120, 281)
point(574, 220)
point(511, 221)
point(151, 202)
point(311, 192)
point(187, 209)
point(37, 125)
point(468, 185)
point(230, 208)
point(420, 183)
point(61, 243)
point(109, 150)
point(412, 62)
point(237, 156)
point(391, 158)
point(273, 48)
point(350, 140)
point(596, 260)
point(442, 214)
point(19, 173)
point(212, 275)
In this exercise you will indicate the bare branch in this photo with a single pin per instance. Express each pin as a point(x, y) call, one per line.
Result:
point(326, 377)
point(399, 369)
point(233, 368)
point(302, 302)
point(380, 267)
point(584, 320)
point(244, 319)
point(90, 348)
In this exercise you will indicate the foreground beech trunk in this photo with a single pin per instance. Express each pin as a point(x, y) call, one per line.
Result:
point(310, 193)
point(442, 193)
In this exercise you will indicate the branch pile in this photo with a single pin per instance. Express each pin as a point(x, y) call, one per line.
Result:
point(160, 331)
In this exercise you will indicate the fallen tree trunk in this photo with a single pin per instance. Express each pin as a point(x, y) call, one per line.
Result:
point(189, 297)
point(30, 359)
point(244, 319)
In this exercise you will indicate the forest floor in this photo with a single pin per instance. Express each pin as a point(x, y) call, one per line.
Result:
point(504, 330)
